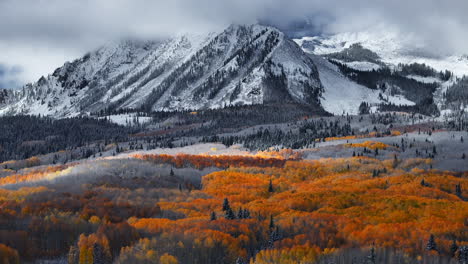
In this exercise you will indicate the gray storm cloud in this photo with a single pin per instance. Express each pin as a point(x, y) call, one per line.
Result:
point(40, 35)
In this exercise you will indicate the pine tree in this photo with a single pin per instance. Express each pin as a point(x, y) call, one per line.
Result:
point(371, 256)
point(98, 256)
point(272, 223)
point(226, 205)
point(395, 161)
point(229, 214)
point(246, 214)
point(453, 248)
point(274, 236)
point(270, 187)
point(213, 216)
point(171, 173)
point(423, 183)
point(240, 213)
point(431, 244)
point(463, 255)
point(458, 190)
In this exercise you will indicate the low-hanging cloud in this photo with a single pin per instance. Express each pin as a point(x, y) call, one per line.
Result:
point(40, 35)
point(10, 77)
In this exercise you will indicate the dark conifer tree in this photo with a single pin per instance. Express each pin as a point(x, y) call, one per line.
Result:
point(98, 254)
point(431, 244)
point(272, 223)
point(226, 205)
point(270, 187)
point(229, 214)
point(453, 248)
point(371, 256)
point(246, 214)
point(213, 216)
point(463, 255)
point(458, 190)
point(240, 213)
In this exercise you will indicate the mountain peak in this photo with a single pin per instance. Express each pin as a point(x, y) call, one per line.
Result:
point(243, 65)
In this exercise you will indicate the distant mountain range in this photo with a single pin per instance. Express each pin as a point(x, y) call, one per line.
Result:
point(245, 65)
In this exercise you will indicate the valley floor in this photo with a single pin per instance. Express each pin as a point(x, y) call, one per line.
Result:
point(394, 192)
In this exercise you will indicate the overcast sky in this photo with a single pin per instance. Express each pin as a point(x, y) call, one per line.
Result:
point(37, 36)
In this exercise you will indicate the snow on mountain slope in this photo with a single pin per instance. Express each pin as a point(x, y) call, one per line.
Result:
point(362, 65)
point(342, 95)
point(392, 47)
point(241, 65)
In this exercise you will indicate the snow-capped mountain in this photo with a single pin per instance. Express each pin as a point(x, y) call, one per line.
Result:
point(375, 51)
point(241, 65)
point(245, 65)
point(390, 45)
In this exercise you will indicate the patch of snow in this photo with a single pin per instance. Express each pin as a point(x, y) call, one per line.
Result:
point(127, 119)
point(362, 65)
point(424, 79)
point(342, 95)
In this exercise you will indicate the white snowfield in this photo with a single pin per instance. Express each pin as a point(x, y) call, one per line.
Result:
point(392, 47)
point(343, 96)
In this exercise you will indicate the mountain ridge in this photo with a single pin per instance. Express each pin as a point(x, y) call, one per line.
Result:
point(186, 72)
point(242, 65)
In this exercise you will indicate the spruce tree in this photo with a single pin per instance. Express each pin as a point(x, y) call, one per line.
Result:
point(272, 223)
point(423, 183)
point(273, 237)
point(458, 190)
point(240, 213)
point(463, 255)
point(98, 256)
point(246, 214)
point(453, 248)
point(226, 205)
point(270, 187)
point(229, 214)
point(371, 256)
point(431, 244)
point(213, 216)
